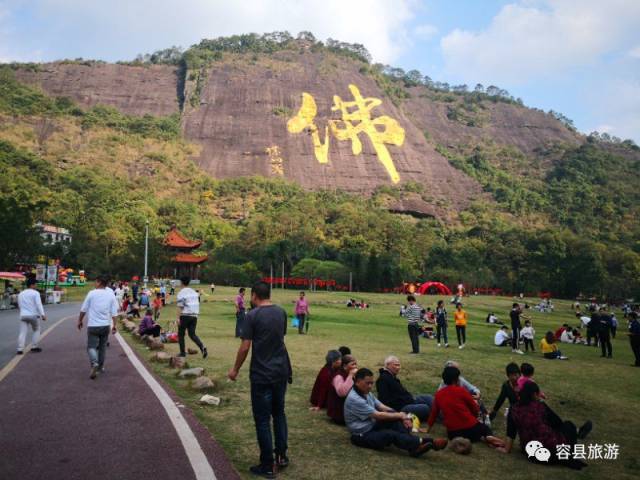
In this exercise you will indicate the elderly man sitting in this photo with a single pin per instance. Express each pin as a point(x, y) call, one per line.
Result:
point(392, 393)
point(375, 425)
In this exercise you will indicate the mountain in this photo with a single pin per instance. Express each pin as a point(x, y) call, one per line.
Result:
point(186, 134)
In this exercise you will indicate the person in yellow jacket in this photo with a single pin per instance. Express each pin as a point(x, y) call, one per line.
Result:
point(549, 348)
point(460, 317)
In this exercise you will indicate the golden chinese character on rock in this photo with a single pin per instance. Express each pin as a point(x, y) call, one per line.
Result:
point(356, 119)
point(275, 160)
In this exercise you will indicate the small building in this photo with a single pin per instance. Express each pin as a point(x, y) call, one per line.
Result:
point(51, 234)
point(183, 261)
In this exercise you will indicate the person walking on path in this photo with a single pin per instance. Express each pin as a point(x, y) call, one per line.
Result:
point(441, 323)
point(634, 337)
point(270, 370)
point(31, 311)
point(516, 327)
point(302, 312)
point(413, 313)
point(188, 301)
point(240, 312)
point(101, 308)
point(460, 316)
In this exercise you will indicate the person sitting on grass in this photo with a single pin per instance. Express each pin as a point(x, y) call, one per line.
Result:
point(321, 387)
point(527, 370)
point(344, 350)
point(472, 389)
point(460, 411)
point(392, 393)
point(509, 390)
point(549, 347)
point(148, 326)
point(374, 425)
point(133, 310)
point(534, 421)
point(502, 337)
point(341, 383)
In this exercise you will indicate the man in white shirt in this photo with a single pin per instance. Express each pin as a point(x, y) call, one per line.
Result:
point(502, 337)
point(101, 309)
point(188, 301)
point(31, 311)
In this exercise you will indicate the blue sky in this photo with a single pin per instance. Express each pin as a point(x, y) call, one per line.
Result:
point(579, 57)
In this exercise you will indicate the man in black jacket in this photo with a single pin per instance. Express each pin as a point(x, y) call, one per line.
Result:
point(604, 333)
point(392, 393)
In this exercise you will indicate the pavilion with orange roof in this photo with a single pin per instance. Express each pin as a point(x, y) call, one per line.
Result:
point(183, 261)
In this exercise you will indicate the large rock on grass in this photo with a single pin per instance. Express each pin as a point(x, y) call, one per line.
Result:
point(161, 357)
point(192, 351)
point(203, 384)
point(191, 372)
point(155, 344)
point(178, 362)
point(209, 400)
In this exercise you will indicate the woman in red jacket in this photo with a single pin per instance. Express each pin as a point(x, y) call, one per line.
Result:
point(460, 411)
point(322, 386)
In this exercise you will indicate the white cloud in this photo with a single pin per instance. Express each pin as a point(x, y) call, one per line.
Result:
point(425, 32)
point(122, 28)
point(538, 38)
point(635, 52)
point(619, 105)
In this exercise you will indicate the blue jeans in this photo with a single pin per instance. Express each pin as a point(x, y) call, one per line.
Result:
point(267, 400)
point(421, 407)
point(97, 338)
point(240, 316)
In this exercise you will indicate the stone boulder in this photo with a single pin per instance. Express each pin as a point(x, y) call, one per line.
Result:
point(192, 351)
point(209, 400)
point(178, 362)
point(155, 344)
point(161, 357)
point(202, 384)
point(191, 372)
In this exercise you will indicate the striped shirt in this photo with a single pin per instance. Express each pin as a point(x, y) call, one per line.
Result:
point(413, 314)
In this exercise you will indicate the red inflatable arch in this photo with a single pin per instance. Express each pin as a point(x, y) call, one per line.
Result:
point(434, 288)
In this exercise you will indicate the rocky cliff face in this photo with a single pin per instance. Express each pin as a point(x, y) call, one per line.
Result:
point(250, 117)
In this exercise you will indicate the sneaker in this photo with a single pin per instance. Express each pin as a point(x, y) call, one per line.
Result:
point(264, 471)
point(282, 461)
point(446, 345)
point(36, 349)
point(563, 358)
point(94, 372)
point(440, 443)
point(101, 370)
point(584, 430)
point(519, 352)
point(462, 346)
point(438, 344)
point(181, 355)
point(426, 444)
point(19, 352)
point(205, 354)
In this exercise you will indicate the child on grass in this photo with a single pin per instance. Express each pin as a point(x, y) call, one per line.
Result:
point(527, 334)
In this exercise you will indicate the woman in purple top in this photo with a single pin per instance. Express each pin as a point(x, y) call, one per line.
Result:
point(302, 311)
point(148, 326)
point(240, 312)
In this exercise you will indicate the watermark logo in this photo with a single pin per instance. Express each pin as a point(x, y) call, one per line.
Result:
point(579, 451)
point(593, 451)
point(536, 449)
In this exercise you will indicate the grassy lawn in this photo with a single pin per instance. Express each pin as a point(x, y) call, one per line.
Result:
point(584, 387)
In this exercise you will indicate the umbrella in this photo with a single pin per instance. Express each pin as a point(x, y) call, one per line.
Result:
point(12, 276)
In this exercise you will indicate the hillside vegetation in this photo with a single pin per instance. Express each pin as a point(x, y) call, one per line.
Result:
point(564, 219)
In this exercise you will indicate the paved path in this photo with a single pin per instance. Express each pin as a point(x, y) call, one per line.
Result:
point(9, 325)
point(56, 423)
